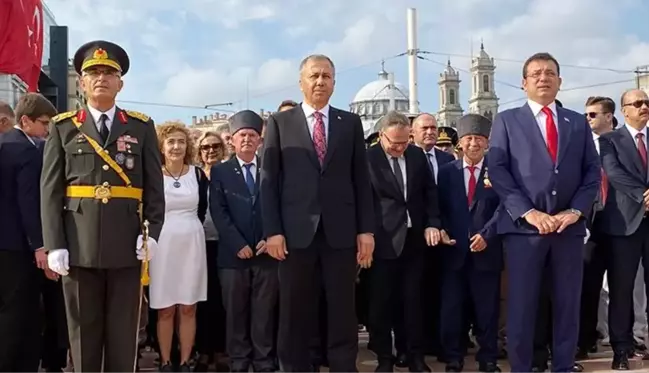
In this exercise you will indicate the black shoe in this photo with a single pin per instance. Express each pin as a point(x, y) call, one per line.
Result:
point(401, 361)
point(582, 354)
point(638, 346)
point(489, 368)
point(184, 367)
point(593, 349)
point(417, 364)
point(385, 365)
point(166, 367)
point(577, 368)
point(620, 361)
point(539, 369)
point(454, 366)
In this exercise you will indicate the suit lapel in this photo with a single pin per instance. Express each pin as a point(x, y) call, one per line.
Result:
point(384, 169)
point(526, 118)
point(565, 129)
point(333, 135)
point(117, 128)
point(90, 128)
point(628, 145)
point(410, 169)
point(239, 175)
point(302, 131)
point(257, 180)
point(459, 183)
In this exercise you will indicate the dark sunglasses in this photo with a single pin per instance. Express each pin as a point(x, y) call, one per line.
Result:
point(214, 147)
point(638, 104)
point(593, 115)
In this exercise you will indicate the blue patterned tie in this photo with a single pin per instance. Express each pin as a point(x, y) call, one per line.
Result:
point(250, 181)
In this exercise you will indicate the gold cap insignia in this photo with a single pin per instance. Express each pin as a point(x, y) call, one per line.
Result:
point(100, 54)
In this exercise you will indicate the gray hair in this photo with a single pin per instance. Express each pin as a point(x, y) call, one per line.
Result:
point(317, 57)
point(223, 127)
point(393, 119)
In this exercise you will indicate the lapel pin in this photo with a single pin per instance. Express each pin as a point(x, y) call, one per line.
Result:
point(566, 119)
point(338, 117)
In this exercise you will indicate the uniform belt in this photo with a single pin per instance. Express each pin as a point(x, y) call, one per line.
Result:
point(103, 192)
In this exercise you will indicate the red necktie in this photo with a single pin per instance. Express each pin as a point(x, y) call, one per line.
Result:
point(642, 149)
point(472, 184)
point(603, 189)
point(319, 140)
point(551, 133)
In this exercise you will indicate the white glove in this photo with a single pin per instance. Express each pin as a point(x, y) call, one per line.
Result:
point(587, 236)
point(59, 261)
point(139, 248)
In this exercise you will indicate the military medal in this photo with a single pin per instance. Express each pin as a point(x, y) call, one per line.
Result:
point(120, 158)
point(121, 146)
point(130, 162)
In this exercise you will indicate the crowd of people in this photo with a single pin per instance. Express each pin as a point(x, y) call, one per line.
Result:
point(271, 243)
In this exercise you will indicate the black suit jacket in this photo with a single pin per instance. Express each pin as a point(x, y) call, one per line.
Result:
point(624, 208)
point(236, 214)
point(462, 221)
point(297, 194)
point(20, 172)
point(390, 206)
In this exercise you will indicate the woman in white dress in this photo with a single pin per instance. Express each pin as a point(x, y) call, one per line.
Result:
point(179, 268)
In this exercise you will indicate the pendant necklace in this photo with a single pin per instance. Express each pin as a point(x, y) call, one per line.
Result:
point(176, 183)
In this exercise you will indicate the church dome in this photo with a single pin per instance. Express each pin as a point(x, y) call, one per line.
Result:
point(372, 101)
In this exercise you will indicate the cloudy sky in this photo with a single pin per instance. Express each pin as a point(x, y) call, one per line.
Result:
point(191, 53)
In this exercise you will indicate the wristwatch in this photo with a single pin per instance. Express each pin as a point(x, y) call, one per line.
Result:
point(576, 212)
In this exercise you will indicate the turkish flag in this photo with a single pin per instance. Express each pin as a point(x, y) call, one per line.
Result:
point(21, 39)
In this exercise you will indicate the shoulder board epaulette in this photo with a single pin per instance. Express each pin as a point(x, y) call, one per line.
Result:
point(137, 115)
point(63, 116)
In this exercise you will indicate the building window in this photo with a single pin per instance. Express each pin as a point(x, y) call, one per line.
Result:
point(485, 83)
point(451, 97)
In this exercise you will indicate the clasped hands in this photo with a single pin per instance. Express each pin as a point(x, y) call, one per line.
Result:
point(246, 252)
point(58, 260)
point(547, 223)
point(276, 248)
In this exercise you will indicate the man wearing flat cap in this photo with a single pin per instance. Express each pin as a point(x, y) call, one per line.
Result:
point(248, 274)
point(102, 178)
point(472, 267)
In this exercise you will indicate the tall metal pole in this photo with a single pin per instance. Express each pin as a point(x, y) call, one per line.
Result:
point(412, 60)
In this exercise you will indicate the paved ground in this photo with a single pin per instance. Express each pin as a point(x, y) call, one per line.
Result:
point(600, 362)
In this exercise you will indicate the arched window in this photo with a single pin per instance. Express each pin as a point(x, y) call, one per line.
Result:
point(451, 97)
point(485, 83)
point(488, 114)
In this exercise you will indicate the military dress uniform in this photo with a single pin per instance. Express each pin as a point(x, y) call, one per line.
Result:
point(96, 193)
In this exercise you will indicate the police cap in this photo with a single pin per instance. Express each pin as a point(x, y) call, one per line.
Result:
point(246, 119)
point(101, 53)
point(473, 124)
point(446, 136)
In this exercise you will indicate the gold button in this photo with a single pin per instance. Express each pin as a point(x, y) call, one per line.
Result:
point(105, 183)
point(79, 151)
point(104, 200)
point(105, 167)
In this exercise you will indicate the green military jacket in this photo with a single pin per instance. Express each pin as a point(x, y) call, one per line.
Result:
point(100, 234)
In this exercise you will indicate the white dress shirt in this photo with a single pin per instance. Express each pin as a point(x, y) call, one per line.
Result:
point(540, 116)
point(467, 174)
point(96, 114)
point(402, 164)
point(310, 119)
point(596, 140)
point(253, 168)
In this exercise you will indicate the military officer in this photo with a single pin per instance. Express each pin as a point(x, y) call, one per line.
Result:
point(447, 140)
point(101, 178)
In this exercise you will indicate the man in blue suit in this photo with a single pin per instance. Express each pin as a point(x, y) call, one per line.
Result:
point(546, 171)
point(472, 267)
point(248, 275)
point(20, 228)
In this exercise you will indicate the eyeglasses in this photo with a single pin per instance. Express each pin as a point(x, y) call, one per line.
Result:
point(593, 114)
point(638, 103)
point(209, 147)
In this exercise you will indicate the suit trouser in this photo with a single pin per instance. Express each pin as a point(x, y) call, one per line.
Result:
point(543, 322)
point(626, 254)
point(20, 322)
point(102, 312)
point(210, 315)
point(249, 297)
point(396, 283)
point(55, 342)
point(431, 302)
point(596, 257)
point(298, 299)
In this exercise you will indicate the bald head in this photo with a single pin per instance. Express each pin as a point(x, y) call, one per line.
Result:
point(424, 131)
point(7, 117)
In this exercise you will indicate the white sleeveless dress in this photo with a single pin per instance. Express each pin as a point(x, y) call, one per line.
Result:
point(179, 267)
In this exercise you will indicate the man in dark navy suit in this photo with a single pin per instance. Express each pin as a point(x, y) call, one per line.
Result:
point(624, 219)
point(546, 171)
point(472, 267)
point(425, 133)
point(248, 275)
point(407, 221)
point(20, 229)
